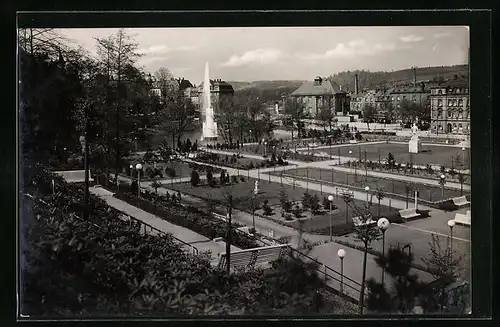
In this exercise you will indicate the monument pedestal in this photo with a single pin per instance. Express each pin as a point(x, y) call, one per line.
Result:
point(414, 144)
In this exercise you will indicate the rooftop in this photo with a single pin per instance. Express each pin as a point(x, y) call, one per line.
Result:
point(319, 86)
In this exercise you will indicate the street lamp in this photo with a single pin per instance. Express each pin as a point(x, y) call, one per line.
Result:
point(442, 181)
point(451, 224)
point(463, 156)
point(367, 188)
point(265, 147)
point(383, 224)
point(131, 167)
point(341, 255)
point(139, 168)
point(330, 198)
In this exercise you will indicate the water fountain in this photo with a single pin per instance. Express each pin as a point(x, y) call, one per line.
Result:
point(209, 131)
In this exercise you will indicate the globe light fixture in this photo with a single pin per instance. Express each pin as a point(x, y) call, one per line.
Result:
point(138, 167)
point(451, 223)
point(383, 224)
point(341, 255)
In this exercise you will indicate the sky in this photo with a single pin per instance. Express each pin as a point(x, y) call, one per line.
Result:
point(288, 53)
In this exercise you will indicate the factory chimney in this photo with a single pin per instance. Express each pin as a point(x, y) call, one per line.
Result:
point(415, 76)
point(356, 86)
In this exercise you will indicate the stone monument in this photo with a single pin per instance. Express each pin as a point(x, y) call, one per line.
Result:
point(209, 131)
point(414, 144)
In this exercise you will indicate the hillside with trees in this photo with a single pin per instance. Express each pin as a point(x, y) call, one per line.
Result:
point(371, 80)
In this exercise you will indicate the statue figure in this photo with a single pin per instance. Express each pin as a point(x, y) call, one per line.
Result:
point(414, 142)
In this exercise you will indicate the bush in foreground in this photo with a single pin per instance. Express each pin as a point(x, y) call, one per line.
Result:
point(105, 266)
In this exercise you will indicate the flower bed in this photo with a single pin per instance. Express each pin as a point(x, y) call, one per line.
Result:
point(189, 217)
point(239, 162)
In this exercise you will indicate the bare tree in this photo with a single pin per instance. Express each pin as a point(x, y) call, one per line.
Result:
point(116, 52)
point(166, 82)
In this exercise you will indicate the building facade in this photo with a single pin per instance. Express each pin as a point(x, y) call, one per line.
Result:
point(320, 94)
point(218, 89)
point(358, 101)
point(450, 108)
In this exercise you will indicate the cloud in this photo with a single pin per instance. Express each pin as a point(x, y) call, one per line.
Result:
point(258, 56)
point(162, 49)
point(441, 35)
point(354, 48)
point(150, 59)
point(411, 38)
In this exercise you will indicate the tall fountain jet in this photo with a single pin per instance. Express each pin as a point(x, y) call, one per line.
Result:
point(209, 124)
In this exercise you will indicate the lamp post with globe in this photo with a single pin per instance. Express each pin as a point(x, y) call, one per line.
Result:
point(383, 224)
point(341, 255)
point(139, 168)
point(442, 181)
point(367, 189)
point(451, 224)
point(330, 199)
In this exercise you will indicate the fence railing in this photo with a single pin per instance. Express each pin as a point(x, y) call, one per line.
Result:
point(349, 288)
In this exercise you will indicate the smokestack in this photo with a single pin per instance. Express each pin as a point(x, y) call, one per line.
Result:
point(415, 76)
point(356, 90)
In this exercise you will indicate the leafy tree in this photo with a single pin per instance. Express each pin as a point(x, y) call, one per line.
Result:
point(195, 178)
point(296, 111)
point(366, 234)
point(369, 113)
point(407, 287)
point(380, 195)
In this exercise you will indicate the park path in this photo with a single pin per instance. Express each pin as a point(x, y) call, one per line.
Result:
point(202, 243)
point(333, 164)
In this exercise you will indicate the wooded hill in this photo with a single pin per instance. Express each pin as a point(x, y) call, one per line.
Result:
point(274, 90)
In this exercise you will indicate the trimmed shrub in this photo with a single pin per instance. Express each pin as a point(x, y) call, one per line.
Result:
point(195, 178)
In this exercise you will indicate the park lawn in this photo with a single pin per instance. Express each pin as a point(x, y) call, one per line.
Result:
point(427, 192)
point(430, 154)
point(271, 191)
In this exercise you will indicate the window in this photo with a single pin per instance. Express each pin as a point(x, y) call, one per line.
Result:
point(460, 126)
point(440, 113)
point(457, 90)
point(392, 98)
point(414, 99)
point(440, 92)
point(461, 102)
point(454, 126)
point(449, 103)
point(404, 97)
point(440, 103)
point(433, 126)
point(398, 98)
point(449, 114)
point(460, 114)
point(440, 127)
point(455, 102)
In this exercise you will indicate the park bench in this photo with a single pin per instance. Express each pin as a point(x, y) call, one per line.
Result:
point(358, 222)
point(74, 176)
point(409, 213)
point(460, 201)
point(256, 257)
point(462, 219)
